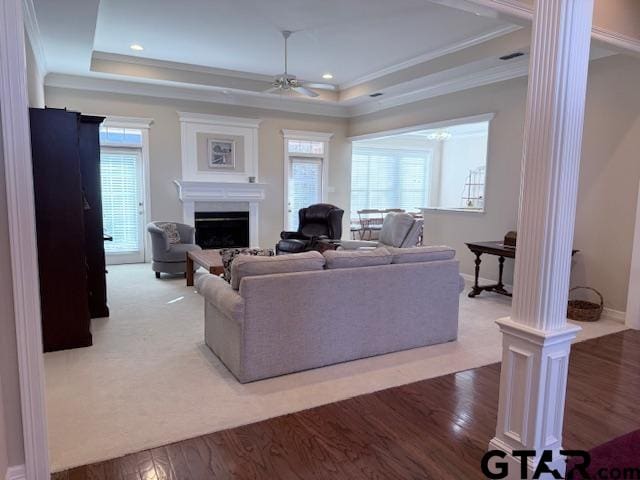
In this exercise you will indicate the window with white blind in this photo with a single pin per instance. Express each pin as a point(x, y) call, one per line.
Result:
point(383, 178)
point(305, 186)
point(120, 171)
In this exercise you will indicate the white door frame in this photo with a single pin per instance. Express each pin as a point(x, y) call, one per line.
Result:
point(142, 124)
point(323, 137)
point(22, 235)
point(311, 159)
point(139, 256)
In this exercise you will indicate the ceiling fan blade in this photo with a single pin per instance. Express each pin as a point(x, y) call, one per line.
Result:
point(305, 91)
point(321, 86)
point(272, 90)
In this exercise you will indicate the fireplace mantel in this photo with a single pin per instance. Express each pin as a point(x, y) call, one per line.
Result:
point(219, 191)
point(190, 192)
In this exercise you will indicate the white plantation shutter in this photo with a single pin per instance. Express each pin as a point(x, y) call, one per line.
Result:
point(388, 178)
point(305, 186)
point(120, 197)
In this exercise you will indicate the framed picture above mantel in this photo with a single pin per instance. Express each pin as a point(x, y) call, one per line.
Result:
point(221, 153)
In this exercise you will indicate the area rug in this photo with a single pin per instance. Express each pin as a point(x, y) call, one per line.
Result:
point(618, 458)
point(150, 380)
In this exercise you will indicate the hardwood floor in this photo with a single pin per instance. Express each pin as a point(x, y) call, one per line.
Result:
point(434, 429)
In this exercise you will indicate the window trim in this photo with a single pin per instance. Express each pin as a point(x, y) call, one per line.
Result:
point(323, 137)
point(484, 117)
point(144, 125)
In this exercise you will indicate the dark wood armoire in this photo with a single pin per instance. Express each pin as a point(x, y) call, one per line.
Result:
point(66, 172)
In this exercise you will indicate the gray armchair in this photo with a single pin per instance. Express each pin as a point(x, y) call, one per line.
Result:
point(168, 258)
point(400, 230)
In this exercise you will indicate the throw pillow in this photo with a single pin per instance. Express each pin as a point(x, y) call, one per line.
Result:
point(171, 230)
point(228, 254)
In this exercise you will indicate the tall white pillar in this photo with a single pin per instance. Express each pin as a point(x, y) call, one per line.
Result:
point(537, 339)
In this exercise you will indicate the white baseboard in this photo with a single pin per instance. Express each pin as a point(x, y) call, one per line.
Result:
point(608, 313)
point(616, 315)
point(17, 472)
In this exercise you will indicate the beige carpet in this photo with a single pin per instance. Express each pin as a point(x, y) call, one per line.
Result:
point(150, 380)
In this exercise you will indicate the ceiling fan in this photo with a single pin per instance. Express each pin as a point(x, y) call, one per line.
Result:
point(290, 83)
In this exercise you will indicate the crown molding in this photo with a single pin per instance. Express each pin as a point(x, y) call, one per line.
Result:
point(127, 87)
point(615, 39)
point(482, 117)
point(456, 47)
point(185, 67)
point(306, 135)
point(517, 9)
point(126, 122)
point(457, 83)
point(227, 121)
point(35, 38)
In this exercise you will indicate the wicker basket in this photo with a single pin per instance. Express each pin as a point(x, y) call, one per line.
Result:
point(584, 311)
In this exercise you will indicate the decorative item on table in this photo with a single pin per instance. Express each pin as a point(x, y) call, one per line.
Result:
point(510, 239)
point(221, 153)
point(584, 311)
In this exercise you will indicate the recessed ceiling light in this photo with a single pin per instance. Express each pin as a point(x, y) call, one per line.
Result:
point(137, 47)
point(327, 76)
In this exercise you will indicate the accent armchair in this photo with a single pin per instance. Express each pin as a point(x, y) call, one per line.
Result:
point(171, 257)
point(321, 220)
point(400, 230)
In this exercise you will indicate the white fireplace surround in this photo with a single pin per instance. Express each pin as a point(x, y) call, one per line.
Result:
point(190, 193)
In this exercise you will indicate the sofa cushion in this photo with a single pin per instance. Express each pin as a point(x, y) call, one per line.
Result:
point(395, 228)
point(357, 258)
point(250, 266)
point(421, 254)
point(229, 254)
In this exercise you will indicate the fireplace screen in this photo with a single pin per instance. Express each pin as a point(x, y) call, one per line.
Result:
point(222, 229)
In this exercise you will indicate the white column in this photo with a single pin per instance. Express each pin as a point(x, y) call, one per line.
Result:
point(537, 339)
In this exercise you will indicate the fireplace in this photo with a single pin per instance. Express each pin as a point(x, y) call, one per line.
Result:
point(222, 229)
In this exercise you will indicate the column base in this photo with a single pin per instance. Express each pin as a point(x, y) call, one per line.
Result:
point(533, 383)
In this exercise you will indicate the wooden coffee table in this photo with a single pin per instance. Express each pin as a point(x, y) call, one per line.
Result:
point(209, 259)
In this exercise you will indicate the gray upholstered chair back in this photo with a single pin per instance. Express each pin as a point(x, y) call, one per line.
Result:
point(400, 230)
point(159, 237)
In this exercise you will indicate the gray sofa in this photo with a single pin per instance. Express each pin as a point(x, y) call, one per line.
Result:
point(167, 257)
point(301, 311)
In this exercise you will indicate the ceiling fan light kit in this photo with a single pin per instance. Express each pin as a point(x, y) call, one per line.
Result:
point(289, 83)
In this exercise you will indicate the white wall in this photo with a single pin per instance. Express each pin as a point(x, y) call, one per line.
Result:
point(609, 175)
point(164, 139)
point(459, 156)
